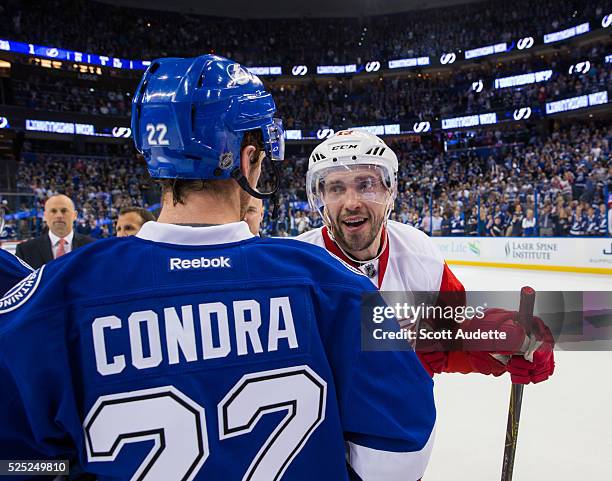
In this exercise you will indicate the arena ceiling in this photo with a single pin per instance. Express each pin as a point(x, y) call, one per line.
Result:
point(289, 8)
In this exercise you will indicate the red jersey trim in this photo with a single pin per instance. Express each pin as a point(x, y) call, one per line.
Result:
point(383, 260)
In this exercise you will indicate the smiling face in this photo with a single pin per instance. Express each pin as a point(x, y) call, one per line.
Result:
point(356, 202)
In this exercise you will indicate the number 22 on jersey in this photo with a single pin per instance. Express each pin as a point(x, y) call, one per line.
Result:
point(177, 424)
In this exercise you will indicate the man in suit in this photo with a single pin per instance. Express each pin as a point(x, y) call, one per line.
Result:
point(59, 216)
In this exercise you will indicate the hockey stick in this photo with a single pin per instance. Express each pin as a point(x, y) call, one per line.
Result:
point(516, 393)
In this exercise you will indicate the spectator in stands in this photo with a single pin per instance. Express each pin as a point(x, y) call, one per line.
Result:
point(515, 228)
point(59, 216)
point(303, 223)
point(446, 224)
point(528, 224)
point(560, 221)
point(592, 222)
point(546, 222)
point(436, 223)
point(578, 223)
point(457, 224)
point(603, 220)
point(472, 222)
point(426, 222)
point(131, 220)
point(497, 228)
point(482, 222)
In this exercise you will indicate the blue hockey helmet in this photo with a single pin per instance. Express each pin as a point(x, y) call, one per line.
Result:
point(189, 116)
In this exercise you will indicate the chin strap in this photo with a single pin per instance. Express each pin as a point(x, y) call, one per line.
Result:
point(243, 182)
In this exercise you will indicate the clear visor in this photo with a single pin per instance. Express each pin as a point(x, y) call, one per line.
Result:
point(274, 140)
point(2, 214)
point(349, 183)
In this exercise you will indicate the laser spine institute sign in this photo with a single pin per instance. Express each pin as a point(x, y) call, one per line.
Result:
point(594, 253)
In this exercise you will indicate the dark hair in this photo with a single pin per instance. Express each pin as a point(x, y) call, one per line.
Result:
point(181, 187)
point(144, 214)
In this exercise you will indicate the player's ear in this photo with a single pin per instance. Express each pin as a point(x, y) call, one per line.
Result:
point(247, 159)
point(250, 160)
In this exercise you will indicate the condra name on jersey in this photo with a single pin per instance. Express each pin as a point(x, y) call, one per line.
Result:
point(172, 337)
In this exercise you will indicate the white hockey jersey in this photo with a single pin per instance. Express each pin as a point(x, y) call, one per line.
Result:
point(410, 261)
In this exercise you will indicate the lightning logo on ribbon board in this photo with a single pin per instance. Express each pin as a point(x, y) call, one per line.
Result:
point(299, 70)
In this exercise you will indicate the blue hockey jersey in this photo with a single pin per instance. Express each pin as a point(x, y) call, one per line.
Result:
point(206, 353)
point(12, 270)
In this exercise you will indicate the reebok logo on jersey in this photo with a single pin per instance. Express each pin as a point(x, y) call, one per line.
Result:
point(178, 264)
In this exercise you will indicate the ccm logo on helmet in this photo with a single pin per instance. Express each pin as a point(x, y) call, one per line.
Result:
point(178, 264)
point(344, 146)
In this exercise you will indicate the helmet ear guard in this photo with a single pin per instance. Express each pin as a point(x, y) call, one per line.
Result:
point(189, 117)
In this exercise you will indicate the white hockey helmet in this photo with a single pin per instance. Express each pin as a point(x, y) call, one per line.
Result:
point(346, 151)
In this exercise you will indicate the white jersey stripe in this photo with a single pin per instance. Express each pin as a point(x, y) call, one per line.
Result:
point(376, 465)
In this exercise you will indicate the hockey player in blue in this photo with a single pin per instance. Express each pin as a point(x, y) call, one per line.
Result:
point(12, 269)
point(196, 350)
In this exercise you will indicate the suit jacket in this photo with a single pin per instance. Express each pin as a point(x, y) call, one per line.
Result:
point(37, 251)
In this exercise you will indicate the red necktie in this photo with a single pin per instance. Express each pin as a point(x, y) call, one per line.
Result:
point(60, 250)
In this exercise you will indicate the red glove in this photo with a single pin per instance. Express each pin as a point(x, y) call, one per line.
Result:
point(433, 362)
point(432, 354)
point(542, 364)
point(527, 359)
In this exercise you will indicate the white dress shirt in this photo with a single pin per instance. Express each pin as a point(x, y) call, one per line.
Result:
point(55, 243)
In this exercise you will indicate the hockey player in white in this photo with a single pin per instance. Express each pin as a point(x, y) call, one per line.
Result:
point(352, 183)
